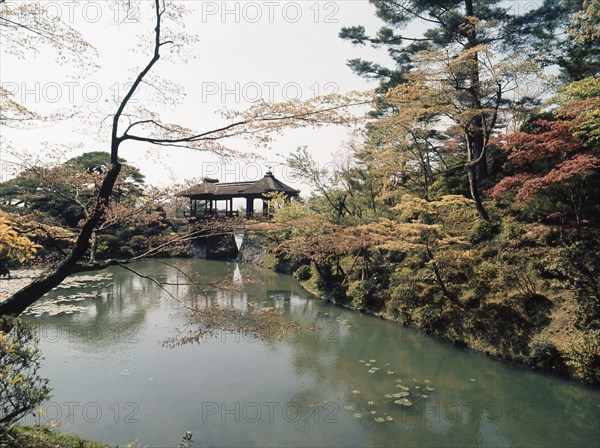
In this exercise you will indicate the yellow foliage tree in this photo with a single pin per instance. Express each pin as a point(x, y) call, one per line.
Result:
point(14, 247)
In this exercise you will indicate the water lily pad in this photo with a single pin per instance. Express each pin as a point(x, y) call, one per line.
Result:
point(348, 407)
point(429, 388)
point(373, 412)
point(362, 361)
point(398, 380)
point(424, 396)
point(388, 396)
point(357, 415)
point(403, 402)
point(401, 387)
point(370, 403)
point(390, 372)
point(356, 392)
point(372, 360)
point(368, 364)
point(379, 419)
point(472, 380)
point(372, 371)
point(401, 395)
point(389, 418)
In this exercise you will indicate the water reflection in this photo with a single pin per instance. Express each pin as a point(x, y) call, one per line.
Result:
point(234, 390)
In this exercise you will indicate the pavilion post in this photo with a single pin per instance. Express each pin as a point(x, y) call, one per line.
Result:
point(249, 207)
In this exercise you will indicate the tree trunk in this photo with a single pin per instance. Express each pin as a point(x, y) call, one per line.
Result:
point(478, 139)
point(94, 246)
point(472, 175)
point(440, 280)
point(19, 301)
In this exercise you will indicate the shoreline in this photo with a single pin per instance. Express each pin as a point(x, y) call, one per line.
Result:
point(382, 316)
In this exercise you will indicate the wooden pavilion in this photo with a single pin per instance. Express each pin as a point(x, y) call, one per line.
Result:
point(205, 197)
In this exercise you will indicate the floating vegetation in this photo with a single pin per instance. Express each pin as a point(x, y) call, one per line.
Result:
point(390, 372)
point(124, 372)
point(424, 396)
point(373, 412)
point(370, 403)
point(389, 418)
point(83, 281)
point(348, 407)
point(401, 395)
point(372, 370)
point(368, 364)
point(389, 396)
point(398, 380)
point(357, 415)
point(379, 419)
point(356, 392)
point(53, 308)
point(375, 368)
point(362, 361)
point(403, 402)
point(472, 380)
point(401, 387)
point(429, 389)
point(372, 360)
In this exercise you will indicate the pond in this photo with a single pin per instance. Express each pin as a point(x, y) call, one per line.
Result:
point(339, 378)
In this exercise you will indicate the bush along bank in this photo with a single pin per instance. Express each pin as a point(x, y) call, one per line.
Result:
point(507, 289)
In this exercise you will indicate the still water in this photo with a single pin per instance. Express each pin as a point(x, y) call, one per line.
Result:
point(332, 382)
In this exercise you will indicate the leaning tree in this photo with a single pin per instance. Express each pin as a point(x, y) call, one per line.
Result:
point(132, 122)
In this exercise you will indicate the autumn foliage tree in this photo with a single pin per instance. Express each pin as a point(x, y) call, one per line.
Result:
point(554, 161)
point(14, 245)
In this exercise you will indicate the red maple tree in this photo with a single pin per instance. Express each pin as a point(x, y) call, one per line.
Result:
point(555, 160)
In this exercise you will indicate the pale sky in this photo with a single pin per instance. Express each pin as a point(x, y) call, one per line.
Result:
point(246, 50)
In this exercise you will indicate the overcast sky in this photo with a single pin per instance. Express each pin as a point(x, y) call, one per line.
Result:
point(246, 50)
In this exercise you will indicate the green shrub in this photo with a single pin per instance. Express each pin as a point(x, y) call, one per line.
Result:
point(510, 231)
point(483, 230)
point(543, 354)
point(431, 319)
point(303, 273)
point(357, 292)
point(579, 263)
point(404, 300)
point(584, 357)
point(21, 387)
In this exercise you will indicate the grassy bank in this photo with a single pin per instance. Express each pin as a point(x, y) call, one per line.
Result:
point(43, 437)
